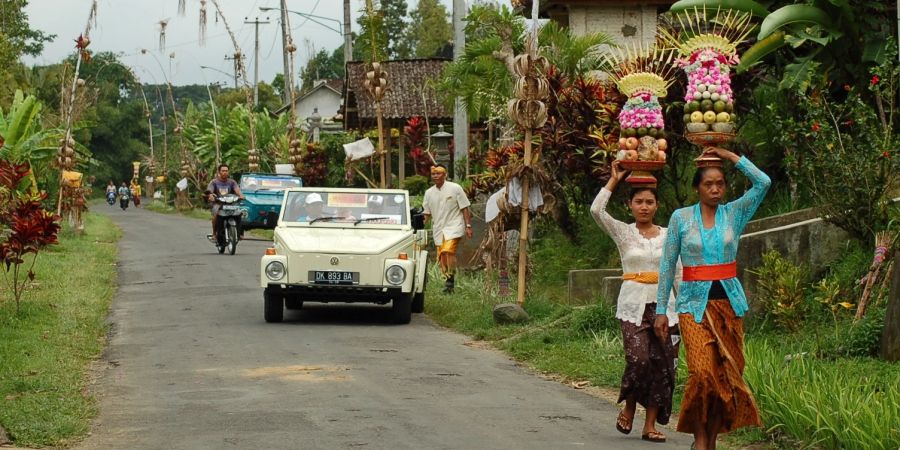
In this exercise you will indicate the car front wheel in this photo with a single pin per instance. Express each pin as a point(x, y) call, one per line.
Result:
point(401, 308)
point(273, 310)
point(418, 301)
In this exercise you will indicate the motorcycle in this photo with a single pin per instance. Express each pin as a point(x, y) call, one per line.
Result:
point(111, 198)
point(123, 201)
point(228, 219)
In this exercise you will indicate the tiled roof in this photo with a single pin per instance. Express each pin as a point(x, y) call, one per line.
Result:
point(410, 92)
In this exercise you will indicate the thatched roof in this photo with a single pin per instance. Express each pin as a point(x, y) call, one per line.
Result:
point(411, 93)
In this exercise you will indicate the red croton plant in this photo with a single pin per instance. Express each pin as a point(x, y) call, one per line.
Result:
point(416, 134)
point(25, 226)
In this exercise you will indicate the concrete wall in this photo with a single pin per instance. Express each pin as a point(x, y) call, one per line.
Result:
point(810, 242)
point(625, 24)
point(325, 99)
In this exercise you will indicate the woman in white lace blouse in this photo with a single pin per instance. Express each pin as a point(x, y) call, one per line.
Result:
point(649, 377)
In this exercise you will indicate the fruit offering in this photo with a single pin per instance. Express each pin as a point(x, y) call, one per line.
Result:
point(644, 76)
point(706, 41)
point(708, 103)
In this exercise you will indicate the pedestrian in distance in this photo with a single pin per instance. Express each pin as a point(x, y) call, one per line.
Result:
point(710, 301)
point(649, 377)
point(136, 193)
point(446, 205)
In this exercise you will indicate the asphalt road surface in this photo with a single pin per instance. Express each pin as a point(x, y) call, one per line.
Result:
point(191, 364)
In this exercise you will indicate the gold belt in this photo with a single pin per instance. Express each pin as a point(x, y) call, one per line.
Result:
point(642, 277)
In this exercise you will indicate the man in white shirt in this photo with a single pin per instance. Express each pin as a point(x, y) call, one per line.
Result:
point(447, 206)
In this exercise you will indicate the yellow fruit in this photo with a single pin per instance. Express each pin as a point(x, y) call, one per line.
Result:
point(697, 117)
point(709, 117)
point(723, 117)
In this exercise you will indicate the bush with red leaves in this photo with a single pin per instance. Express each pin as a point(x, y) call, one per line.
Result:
point(315, 165)
point(26, 227)
point(415, 135)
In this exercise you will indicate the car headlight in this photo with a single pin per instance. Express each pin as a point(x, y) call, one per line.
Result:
point(275, 270)
point(395, 275)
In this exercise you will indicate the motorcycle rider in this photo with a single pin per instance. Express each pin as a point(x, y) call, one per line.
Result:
point(221, 185)
point(124, 195)
point(111, 192)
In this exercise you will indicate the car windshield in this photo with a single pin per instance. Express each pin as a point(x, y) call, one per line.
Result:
point(350, 208)
point(253, 183)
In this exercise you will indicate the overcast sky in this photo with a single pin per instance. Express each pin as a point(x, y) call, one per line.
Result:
point(127, 26)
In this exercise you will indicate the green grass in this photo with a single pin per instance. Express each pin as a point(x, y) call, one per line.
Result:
point(45, 350)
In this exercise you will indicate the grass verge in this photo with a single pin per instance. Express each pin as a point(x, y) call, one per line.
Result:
point(45, 350)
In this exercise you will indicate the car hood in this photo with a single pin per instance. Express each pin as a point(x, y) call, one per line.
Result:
point(361, 241)
point(271, 198)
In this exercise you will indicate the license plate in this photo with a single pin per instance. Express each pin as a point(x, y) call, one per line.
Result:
point(333, 277)
point(229, 207)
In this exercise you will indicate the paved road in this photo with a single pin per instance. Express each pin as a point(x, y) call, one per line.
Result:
point(192, 365)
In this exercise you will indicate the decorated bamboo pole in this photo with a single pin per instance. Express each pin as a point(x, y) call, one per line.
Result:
point(295, 156)
point(253, 152)
point(151, 161)
point(66, 156)
point(523, 226)
point(529, 111)
point(376, 84)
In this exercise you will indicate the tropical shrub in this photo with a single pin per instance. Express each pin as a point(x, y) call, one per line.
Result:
point(416, 184)
point(415, 135)
point(26, 227)
point(781, 290)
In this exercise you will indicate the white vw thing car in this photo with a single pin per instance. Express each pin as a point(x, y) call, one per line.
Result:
point(346, 245)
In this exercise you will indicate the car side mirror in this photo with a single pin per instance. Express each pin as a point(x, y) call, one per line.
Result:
point(418, 218)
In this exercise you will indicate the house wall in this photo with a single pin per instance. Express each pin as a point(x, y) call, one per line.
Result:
point(625, 24)
point(326, 100)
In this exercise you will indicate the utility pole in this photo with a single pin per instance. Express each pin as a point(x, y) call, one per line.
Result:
point(460, 116)
point(286, 96)
point(237, 67)
point(256, 23)
point(348, 38)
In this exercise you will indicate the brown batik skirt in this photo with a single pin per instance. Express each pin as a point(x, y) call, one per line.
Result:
point(715, 359)
point(649, 376)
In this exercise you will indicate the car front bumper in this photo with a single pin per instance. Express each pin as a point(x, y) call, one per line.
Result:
point(337, 293)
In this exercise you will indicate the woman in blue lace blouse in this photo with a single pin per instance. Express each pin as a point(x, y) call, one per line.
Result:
point(710, 301)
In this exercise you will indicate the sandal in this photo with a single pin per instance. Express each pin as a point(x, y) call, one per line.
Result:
point(623, 424)
point(654, 436)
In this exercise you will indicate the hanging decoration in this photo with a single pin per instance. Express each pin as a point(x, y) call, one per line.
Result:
point(162, 34)
point(202, 33)
point(529, 112)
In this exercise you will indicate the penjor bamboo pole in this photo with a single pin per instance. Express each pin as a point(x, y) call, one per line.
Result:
point(380, 143)
point(523, 231)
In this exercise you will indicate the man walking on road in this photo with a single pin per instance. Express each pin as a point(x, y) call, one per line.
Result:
point(447, 205)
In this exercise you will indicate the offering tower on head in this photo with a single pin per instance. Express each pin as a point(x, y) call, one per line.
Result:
point(706, 42)
point(644, 76)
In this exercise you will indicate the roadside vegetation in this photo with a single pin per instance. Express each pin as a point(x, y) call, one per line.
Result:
point(46, 349)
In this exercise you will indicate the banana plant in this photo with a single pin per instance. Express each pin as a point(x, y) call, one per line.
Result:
point(25, 139)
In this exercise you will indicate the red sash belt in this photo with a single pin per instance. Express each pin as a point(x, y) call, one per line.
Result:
point(710, 273)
